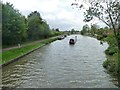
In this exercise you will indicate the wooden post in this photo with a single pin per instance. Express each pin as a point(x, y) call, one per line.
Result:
point(19, 45)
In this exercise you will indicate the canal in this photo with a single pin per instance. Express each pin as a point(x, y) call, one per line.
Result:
point(60, 65)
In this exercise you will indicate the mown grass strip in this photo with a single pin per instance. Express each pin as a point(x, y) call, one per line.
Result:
point(0, 58)
point(14, 53)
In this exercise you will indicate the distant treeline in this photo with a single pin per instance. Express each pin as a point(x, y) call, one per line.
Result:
point(16, 28)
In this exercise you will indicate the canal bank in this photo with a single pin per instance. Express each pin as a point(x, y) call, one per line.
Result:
point(60, 65)
point(111, 62)
point(13, 55)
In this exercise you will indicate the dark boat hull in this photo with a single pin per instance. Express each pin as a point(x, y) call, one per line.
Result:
point(72, 41)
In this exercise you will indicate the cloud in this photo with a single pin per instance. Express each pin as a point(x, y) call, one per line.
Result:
point(58, 13)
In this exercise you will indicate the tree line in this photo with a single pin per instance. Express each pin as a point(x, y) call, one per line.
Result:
point(16, 28)
point(95, 30)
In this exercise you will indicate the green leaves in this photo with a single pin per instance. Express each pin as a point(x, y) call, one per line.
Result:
point(17, 28)
point(37, 28)
point(108, 12)
point(85, 29)
point(14, 27)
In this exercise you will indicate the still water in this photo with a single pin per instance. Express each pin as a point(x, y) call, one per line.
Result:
point(60, 65)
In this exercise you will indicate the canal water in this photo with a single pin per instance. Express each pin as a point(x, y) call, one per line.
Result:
point(60, 65)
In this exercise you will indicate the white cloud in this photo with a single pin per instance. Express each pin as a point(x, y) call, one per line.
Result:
point(58, 13)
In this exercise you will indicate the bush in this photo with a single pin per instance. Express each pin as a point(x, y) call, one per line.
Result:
point(111, 64)
point(82, 33)
point(104, 35)
point(105, 63)
point(111, 50)
point(99, 37)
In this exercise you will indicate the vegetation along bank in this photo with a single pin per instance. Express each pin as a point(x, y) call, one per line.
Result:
point(14, 54)
point(18, 29)
point(105, 34)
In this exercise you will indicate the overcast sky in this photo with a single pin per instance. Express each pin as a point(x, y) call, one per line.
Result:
point(58, 13)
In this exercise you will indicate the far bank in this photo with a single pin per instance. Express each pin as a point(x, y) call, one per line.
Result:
point(14, 54)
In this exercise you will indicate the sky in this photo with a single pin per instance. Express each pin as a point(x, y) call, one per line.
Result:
point(58, 13)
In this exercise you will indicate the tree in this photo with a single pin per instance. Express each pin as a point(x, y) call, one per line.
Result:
point(35, 28)
point(85, 29)
point(108, 11)
point(72, 31)
point(0, 24)
point(46, 30)
point(94, 28)
point(16, 28)
point(13, 25)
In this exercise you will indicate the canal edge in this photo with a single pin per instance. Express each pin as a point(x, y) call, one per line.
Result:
point(21, 56)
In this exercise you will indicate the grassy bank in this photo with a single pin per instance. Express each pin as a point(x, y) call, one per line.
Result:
point(14, 53)
point(111, 63)
point(0, 58)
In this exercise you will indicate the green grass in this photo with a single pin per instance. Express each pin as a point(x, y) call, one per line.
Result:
point(111, 50)
point(14, 53)
point(110, 39)
point(0, 58)
point(111, 64)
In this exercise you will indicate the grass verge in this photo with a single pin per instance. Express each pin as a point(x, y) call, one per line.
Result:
point(15, 53)
point(111, 64)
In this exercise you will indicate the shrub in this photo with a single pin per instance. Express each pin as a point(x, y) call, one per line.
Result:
point(111, 50)
point(99, 37)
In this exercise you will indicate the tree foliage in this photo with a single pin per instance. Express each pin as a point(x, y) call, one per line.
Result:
point(14, 27)
point(108, 11)
point(17, 28)
point(34, 25)
point(94, 28)
point(85, 29)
